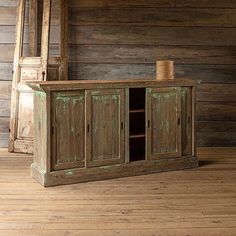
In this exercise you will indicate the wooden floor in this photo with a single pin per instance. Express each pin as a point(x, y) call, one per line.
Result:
point(193, 202)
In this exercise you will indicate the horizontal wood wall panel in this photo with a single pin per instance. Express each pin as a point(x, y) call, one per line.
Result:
point(216, 93)
point(122, 39)
point(148, 35)
point(8, 3)
point(137, 16)
point(138, 35)
point(4, 124)
point(154, 16)
point(141, 3)
point(154, 3)
point(4, 139)
point(149, 54)
point(216, 139)
point(216, 126)
point(7, 15)
point(216, 111)
point(6, 71)
point(5, 108)
point(205, 73)
point(5, 89)
point(140, 54)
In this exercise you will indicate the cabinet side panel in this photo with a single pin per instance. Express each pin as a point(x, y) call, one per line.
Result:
point(40, 130)
point(186, 105)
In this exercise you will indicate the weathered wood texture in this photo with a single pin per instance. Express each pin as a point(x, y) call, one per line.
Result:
point(123, 39)
point(80, 129)
point(199, 202)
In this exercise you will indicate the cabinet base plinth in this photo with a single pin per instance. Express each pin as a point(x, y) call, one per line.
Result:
point(71, 176)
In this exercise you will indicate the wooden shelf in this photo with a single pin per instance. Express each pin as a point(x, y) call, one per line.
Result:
point(137, 136)
point(137, 111)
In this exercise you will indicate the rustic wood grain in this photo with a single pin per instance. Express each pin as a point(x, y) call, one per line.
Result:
point(154, 16)
point(164, 127)
point(215, 139)
point(87, 133)
point(218, 126)
point(206, 73)
point(216, 93)
point(216, 111)
point(151, 35)
point(6, 71)
point(4, 124)
point(68, 141)
point(4, 139)
point(154, 3)
point(105, 115)
point(5, 89)
point(104, 35)
point(141, 3)
point(5, 107)
point(197, 202)
point(139, 35)
point(149, 54)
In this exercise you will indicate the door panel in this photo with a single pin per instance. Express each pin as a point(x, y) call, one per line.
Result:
point(25, 116)
point(163, 123)
point(68, 130)
point(186, 106)
point(31, 65)
point(105, 127)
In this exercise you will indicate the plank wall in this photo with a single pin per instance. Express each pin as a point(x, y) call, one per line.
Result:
point(123, 39)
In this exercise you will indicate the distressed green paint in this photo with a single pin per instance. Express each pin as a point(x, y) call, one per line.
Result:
point(167, 126)
point(67, 99)
point(78, 99)
point(40, 94)
point(105, 97)
point(109, 167)
point(163, 95)
point(69, 173)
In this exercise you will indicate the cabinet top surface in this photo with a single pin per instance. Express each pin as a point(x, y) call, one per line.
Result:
point(95, 84)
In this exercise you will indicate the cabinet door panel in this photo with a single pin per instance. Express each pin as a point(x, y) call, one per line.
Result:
point(187, 122)
point(68, 130)
point(105, 127)
point(163, 123)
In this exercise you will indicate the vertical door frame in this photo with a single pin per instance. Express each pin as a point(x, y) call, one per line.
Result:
point(187, 121)
point(45, 38)
point(16, 71)
point(33, 28)
point(63, 51)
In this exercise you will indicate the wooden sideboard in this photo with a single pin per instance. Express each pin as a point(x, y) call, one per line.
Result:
point(93, 130)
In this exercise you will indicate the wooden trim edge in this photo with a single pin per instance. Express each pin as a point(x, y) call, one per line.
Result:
point(115, 171)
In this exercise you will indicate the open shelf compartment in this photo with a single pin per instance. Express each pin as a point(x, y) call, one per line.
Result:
point(137, 131)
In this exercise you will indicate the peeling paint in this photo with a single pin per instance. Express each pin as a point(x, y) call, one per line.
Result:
point(40, 94)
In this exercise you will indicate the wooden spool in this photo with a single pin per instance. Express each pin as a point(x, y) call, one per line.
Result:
point(165, 70)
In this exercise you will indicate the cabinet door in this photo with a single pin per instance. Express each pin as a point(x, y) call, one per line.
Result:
point(105, 127)
point(163, 123)
point(68, 130)
point(187, 122)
